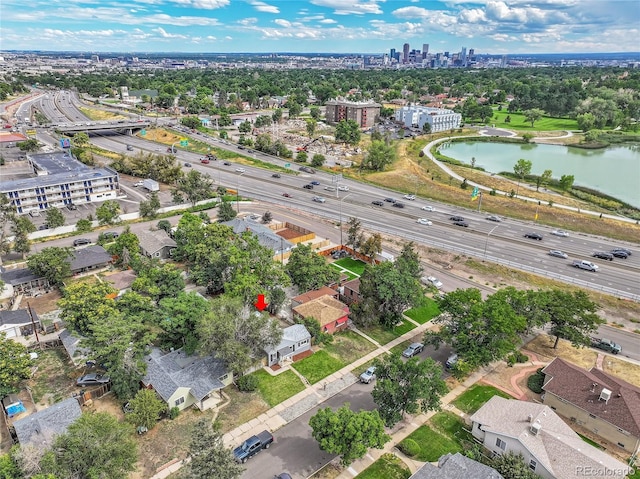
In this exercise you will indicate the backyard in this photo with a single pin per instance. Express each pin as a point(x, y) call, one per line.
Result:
point(473, 398)
point(353, 268)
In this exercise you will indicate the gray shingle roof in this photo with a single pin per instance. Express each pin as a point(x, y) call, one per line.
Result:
point(18, 276)
point(456, 466)
point(556, 446)
point(71, 343)
point(266, 236)
point(94, 255)
point(16, 318)
point(152, 241)
point(290, 336)
point(168, 372)
point(41, 427)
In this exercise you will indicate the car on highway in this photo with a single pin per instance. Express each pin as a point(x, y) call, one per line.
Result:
point(283, 475)
point(241, 147)
point(558, 254)
point(624, 250)
point(205, 161)
point(286, 195)
point(456, 218)
point(343, 188)
point(495, 218)
point(377, 203)
point(226, 163)
point(315, 182)
point(330, 188)
point(561, 233)
point(308, 186)
point(318, 199)
point(369, 375)
point(409, 197)
point(428, 208)
point(81, 242)
point(187, 164)
point(464, 224)
point(92, 379)
point(603, 255)
point(390, 200)
point(129, 148)
point(619, 253)
point(307, 169)
point(276, 175)
point(434, 281)
point(412, 350)
point(535, 236)
point(397, 204)
point(424, 221)
point(240, 170)
point(139, 183)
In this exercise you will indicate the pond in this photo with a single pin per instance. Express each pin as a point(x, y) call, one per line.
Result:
point(614, 171)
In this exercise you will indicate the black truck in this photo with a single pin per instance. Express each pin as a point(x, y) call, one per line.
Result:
point(253, 446)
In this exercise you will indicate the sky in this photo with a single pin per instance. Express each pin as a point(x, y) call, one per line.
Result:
point(321, 26)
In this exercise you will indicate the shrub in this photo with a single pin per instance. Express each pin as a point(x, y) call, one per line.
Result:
point(517, 357)
point(174, 412)
point(535, 381)
point(409, 447)
point(492, 192)
point(247, 384)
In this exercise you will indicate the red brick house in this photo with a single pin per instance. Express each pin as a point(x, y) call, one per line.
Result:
point(350, 291)
point(332, 314)
point(313, 294)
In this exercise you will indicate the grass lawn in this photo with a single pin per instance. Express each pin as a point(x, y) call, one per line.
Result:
point(543, 124)
point(452, 426)
point(275, 389)
point(348, 274)
point(473, 398)
point(318, 366)
point(354, 265)
point(425, 312)
point(432, 444)
point(383, 335)
point(589, 441)
point(387, 467)
point(348, 346)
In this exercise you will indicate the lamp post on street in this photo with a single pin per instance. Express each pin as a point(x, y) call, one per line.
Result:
point(341, 200)
point(238, 192)
point(487, 241)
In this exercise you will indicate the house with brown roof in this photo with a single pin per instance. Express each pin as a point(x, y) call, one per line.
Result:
point(604, 404)
point(548, 445)
point(313, 294)
point(332, 314)
point(350, 291)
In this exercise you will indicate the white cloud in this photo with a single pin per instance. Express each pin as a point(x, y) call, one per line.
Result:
point(200, 4)
point(282, 22)
point(248, 21)
point(164, 34)
point(328, 21)
point(351, 7)
point(412, 12)
point(265, 8)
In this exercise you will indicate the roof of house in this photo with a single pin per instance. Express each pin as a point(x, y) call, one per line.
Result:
point(168, 372)
point(353, 285)
point(41, 427)
point(314, 294)
point(153, 241)
point(266, 236)
point(17, 317)
point(290, 336)
point(71, 343)
point(556, 446)
point(456, 466)
point(94, 255)
point(122, 279)
point(15, 277)
point(324, 309)
point(582, 388)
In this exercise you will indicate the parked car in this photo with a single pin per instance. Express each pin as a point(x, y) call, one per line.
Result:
point(308, 187)
point(412, 350)
point(618, 253)
point(464, 224)
point(424, 221)
point(409, 197)
point(315, 182)
point(276, 175)
point(369, 375)
point(110, 235)
point(428, 208)
point(34, 213)
point(535, 236)
point(434, 281)
point(81, 241)
point(72, 207)
point(451, 361)
point(283, 475)
point(318, 199)
point(397, 204)
point(495, 218)
point(377, 203)
point(456, 218)
point(603, 255)
point(339, 253)
point(252, 446)
point(92, 379)
point(561, 233)
point(558, 254)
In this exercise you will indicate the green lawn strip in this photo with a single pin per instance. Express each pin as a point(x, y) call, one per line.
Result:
point(473, 398)
point(383, 335)
point(388, 466)
point(425, 312)
point(398, 348)
point(275, 389)
point(451, 426)
point(349, 274)
point(354, 265)
point(348, 347)
point(543, 124)
point(318, 366)
point(432, 444)
point(589, 441)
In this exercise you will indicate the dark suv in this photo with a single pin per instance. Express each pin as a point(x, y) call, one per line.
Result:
point(535, 236)
point(309, 187)
point(81, 241)
point(397, 204)
point(603, 255)
point(618, 253)
point(456, 218)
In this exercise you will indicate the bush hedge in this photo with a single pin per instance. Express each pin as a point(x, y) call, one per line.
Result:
point(409, 447)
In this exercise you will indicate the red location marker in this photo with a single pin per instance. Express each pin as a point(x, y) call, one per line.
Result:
point(260, 304)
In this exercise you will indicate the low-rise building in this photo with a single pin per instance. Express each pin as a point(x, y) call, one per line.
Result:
point(20, 322)
point(333, 315)
point(440, 119)
point(313, 294)
point(156, 244)
point(456, 466)
point(41, 428)
point(364, 113)
point(295, 340)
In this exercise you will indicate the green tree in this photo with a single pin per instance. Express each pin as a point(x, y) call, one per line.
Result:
point(347, 433)
point(164, 225)
point(302, 156)
point(52, 263)
point(354, 233)
point(371, 246)
point(277, 115)
point(308, 270)
point(566, 182)
point(21, 227)
point(85, 304)
point(267, 217)
point(126, 249)
point(29, 145)
point(521, 169)
point(226, 211)
point(407, 387)
point(318, 160)
point(146, 408)
point(179, 317)
point(348, 131)
point(245, 127)
point(158, 281)
point(195, 186)
point(7, 212)
point(108, 212)
point(426, 128)
point(83, 225)
point(15, 365)
point(533, 115)
point(209, 456)
point(527, 137)
point(9, 469)
point(294, 109)
point(318, 336)
point(543, 179)
point(513, 466)
point(379, 155)
point(55, 218)
point(311, 127)
point(95, 446)
point(81, 139)
point(149, 209)
point(586, 121)
point(315, 113)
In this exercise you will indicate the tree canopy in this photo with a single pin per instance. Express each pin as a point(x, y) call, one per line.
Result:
point(15, 365)
point(52, 263)
point(308, 270)
point(209, 456)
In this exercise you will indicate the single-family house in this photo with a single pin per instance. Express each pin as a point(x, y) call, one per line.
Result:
point(266, 236)
point(600, 402)
point(19, 322)
point(295, 340)
point(549, 446)
point(332, 314)
point(456, 466)
point(72, 345)
point(88, 259)
point(156, 244)
point(40, 428)
point(23, 281)
point(183, 380)
point(313, 294)
point(350, 291)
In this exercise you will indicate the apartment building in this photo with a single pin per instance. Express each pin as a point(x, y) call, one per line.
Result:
point(440, 119)
point(363, 113)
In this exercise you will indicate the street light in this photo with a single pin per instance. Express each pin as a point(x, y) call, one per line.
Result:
point(487, 241)
point(341, 200)
point(238, 192)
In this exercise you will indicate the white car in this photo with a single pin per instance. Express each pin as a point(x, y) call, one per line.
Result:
point(240, 170)
point(138, 183)
point(343, 188)
point(409, 197)
point(425, 221)
point(562, 233)
point(428, 208)
point(435, 281)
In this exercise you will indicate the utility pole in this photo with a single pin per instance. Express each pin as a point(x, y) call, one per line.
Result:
point(479, 201)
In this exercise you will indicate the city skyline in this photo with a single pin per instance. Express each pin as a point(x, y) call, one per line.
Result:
point(330, 26)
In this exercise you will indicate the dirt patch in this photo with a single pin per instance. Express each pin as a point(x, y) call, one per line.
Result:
point(54, 379)
point(44, 303)
point(623, 369)
point(330, 471)
point(288, 233)
point(543, 346)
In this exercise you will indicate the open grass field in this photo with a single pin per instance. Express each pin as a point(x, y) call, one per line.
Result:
point(543, 124)
point(348, 346)
point(275, 389)
point(387, 467)
point(473, 398)
point(432, 444)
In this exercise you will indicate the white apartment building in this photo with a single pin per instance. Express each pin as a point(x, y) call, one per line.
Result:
point(440, 119)
point(59, 180)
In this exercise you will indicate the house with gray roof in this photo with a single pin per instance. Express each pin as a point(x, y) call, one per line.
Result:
point(23, 281)
point(90, 258)
point(183, 380)
point(40, 429)
point(549, 446)
point(266, 236)
point(156, 244)
point(456, 466)
point(19, 322)
point(295, 340)
point(73, 346)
